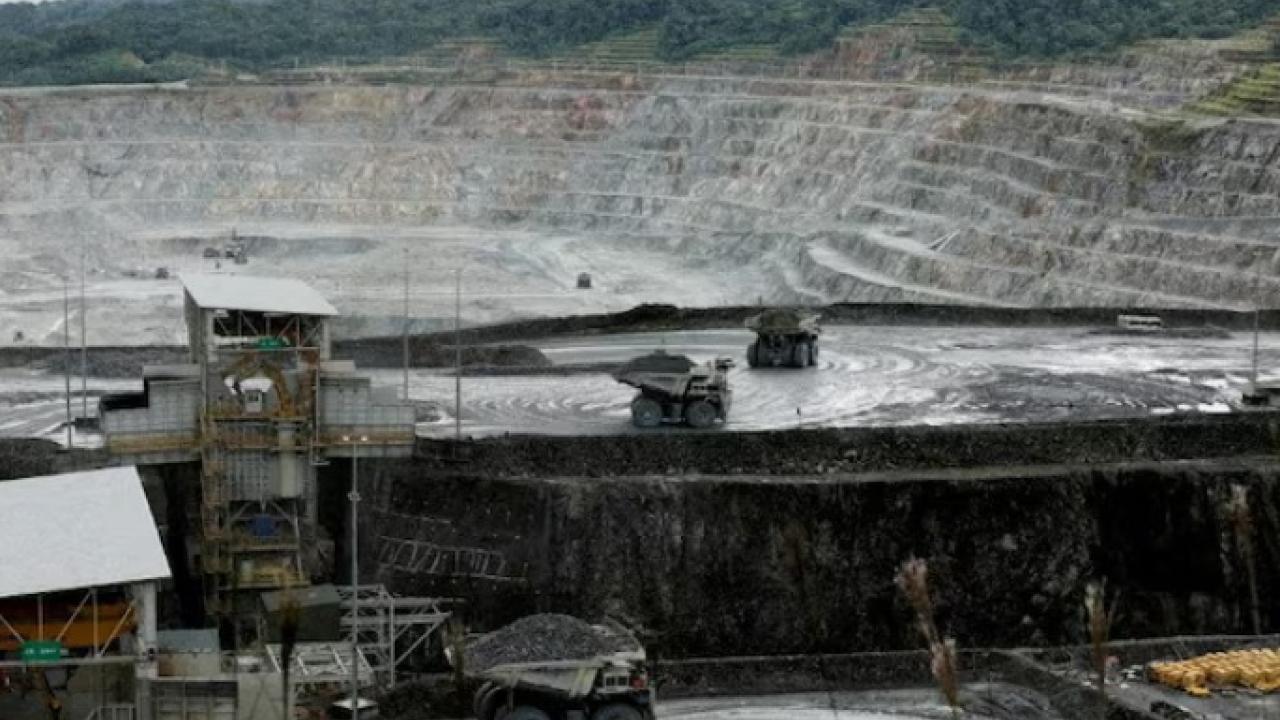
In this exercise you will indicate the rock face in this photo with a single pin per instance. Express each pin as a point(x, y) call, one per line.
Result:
point(793, 190)
point(754, 564)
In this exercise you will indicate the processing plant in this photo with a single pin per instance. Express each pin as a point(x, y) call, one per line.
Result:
point(259, 407)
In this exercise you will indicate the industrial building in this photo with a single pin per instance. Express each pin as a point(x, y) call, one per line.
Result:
point(260, 406)
point(82, 563)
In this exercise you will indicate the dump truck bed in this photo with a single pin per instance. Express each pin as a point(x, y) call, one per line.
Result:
point(669, 385)
point(572, 678)
point(783, 322)
point(659, 372)
point(610, 644)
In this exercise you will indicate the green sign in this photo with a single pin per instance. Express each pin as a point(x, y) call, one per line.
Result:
point(270, 342)
point(38, 651)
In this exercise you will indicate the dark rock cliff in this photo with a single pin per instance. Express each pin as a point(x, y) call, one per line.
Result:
point(758, 564)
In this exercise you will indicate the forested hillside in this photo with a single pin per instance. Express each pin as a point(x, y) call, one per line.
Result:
point(110, 40)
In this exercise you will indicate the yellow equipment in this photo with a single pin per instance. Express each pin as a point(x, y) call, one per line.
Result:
point(251, 364)
point(1257, 669)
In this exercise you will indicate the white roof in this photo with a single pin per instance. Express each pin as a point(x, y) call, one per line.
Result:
point(256, 294)
point(77, 530)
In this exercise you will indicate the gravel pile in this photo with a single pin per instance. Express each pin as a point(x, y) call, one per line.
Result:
point(539, 638)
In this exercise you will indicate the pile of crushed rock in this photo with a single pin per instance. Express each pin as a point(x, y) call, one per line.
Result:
point(543, 638)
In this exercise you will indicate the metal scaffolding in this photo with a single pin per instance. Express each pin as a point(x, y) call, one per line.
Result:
point(251, 534)
point(390, 628)
point(423, 557)
point(320, 664)
point(257, 443)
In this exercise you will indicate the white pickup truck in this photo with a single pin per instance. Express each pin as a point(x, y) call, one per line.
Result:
point(610, 686)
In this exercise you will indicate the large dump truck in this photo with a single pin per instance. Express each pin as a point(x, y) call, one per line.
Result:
point(524, 677)
point(674, 389)
point(784, 338)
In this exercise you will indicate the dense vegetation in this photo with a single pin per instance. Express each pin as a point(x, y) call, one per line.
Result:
point(131, 40)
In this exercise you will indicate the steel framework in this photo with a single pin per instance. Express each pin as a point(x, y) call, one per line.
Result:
point(390, 628)
point(315, 664)
point(256, 452)
point(426, 557)
point(86, 611)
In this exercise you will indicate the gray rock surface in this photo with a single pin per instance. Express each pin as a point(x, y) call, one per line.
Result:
point(694, 190)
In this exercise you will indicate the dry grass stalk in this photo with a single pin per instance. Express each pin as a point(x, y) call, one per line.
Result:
point(455, 636)
point(1241, 518)
point(913, 581)
point(1099, 617)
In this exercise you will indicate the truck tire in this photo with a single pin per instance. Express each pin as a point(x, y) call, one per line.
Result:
point(646, 412)
point(813, 352)
point(526, 712)
point(753, 354)
point(700, 414)
point(491, 704)
point(617, 711)
point(477, 700)
point(800, 355)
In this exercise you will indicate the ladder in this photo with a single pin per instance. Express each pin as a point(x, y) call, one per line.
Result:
point(215, 558)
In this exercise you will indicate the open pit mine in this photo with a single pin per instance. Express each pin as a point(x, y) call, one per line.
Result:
point(358, 345)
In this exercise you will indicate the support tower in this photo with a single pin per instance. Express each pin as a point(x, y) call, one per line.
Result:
point(260, 406)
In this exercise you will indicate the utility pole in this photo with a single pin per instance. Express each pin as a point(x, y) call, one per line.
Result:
point(405, 329)
point(84, 345)
point(457, 356)
point(66, 349)
point(1257, 312)
point(354, 497)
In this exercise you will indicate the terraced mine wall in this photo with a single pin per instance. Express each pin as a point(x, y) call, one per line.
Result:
point(807, 191)
point(772, 550)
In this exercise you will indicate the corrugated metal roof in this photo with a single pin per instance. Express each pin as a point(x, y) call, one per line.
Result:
point(256, 294)
point(77, 530)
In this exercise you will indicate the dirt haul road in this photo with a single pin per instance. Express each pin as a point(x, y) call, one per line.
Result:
point(866, 375)
point(873, 375)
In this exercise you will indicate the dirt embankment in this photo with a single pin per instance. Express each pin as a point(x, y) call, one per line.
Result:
point(435, 352)
point(127, 362)
point(27, 458)
point(653, 317)
point(842, 450)
point(789, 541)
point(767, 565)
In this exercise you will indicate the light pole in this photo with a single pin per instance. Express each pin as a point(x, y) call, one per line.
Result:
point(1257, 312)
point(354, 497)
point(66, 350)
point(457, 357)
point(405, 329)
point(84, 343)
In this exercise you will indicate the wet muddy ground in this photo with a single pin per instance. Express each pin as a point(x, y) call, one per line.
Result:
point(872, 375)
